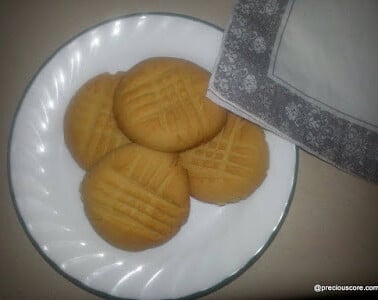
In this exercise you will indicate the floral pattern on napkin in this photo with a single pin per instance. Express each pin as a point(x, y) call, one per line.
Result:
point(240, 82)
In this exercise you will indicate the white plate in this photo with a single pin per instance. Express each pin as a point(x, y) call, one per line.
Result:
point(213, 247)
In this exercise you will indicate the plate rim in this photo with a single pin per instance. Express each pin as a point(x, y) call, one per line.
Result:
point(37, 247)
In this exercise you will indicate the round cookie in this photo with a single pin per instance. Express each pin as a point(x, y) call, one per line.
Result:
point(230, 166)
point(90, 130)
point(160, 103)
point(136, 198)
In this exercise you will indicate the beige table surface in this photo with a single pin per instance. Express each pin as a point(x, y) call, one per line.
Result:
point(330, 235)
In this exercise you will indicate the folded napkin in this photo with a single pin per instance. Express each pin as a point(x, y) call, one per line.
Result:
point(308, 71)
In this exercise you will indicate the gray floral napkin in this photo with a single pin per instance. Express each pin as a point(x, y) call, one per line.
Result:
point(285, 68)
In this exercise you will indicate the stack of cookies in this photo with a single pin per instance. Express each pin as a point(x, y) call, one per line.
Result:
point(149, 139)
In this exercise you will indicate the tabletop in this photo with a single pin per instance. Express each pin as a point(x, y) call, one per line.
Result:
point(329, 236)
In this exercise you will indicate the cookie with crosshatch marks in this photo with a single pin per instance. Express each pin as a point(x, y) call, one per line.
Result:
point(90, 130)
point(161, 103)
point(230, 166)
point(136, 198)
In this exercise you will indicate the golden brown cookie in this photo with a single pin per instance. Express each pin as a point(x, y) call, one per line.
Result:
point(90, 129)
point(160, 103)
point(230, 166)
point(135, 197)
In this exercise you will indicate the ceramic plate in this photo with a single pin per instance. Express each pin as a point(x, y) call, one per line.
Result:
point(213, 247)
